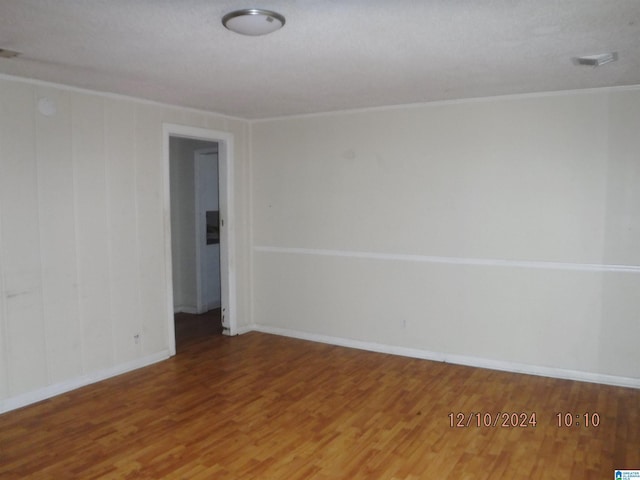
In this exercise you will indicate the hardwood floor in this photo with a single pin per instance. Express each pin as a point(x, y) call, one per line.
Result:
point(260, 406)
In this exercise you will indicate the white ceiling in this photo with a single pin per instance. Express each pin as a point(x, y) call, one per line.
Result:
point(330, 55)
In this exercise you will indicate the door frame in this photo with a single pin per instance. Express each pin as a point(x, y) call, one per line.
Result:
point(227, 232)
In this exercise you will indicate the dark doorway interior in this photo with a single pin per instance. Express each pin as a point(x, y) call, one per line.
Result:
point(192, 328)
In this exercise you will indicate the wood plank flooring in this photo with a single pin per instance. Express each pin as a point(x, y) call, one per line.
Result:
point(260, 406)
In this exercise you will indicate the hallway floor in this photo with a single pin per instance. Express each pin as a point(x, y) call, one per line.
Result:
point(191, 328)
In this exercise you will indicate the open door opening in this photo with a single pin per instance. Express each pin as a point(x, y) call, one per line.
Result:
point(195, 240)
point(198, 168)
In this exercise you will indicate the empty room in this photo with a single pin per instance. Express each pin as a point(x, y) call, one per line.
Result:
point(355, 239)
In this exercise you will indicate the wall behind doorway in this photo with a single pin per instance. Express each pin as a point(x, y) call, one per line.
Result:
point(183, 228)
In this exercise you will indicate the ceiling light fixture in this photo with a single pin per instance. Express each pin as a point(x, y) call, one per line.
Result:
point(596, 60)
point(253, 21)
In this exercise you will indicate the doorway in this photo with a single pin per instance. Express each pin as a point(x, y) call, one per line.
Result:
point(207, 221)
point(198, 168)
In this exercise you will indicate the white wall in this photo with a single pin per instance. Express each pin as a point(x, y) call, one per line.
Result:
point(183, 229)
point(490, 231)
point(82, 245)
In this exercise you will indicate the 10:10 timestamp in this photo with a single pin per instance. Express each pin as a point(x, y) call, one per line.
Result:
point(587, 419)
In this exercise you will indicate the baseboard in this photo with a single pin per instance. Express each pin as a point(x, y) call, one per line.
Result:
point(185, 309)
point(194, 310)
point(40, 394)
point(246, 329)
point(456, 359)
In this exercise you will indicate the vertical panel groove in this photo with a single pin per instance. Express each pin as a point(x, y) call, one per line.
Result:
point(36, 156)
point(76, 233)
point(137, 222)
point(4, 337)
point(251, 242)
point(105, 131)
point(3, 319)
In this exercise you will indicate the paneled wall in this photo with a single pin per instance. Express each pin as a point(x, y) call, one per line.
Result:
point(82, 243)
point(502, 232)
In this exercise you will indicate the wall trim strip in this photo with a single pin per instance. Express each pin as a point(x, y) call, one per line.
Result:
point(486, 262)
point(456, 359)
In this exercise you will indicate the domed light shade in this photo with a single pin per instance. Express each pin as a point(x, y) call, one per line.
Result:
point(253, 21)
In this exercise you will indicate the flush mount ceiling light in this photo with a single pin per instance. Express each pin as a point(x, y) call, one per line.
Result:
point(253, 21)
point(596, 60)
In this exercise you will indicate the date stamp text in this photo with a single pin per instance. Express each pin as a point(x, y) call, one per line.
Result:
point(493, 420)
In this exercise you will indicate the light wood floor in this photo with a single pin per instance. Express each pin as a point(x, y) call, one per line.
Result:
point(265, 407)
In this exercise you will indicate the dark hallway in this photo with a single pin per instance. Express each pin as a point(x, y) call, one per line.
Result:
point(192, 328)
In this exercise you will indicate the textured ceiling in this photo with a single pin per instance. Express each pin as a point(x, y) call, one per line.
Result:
point(330, 55)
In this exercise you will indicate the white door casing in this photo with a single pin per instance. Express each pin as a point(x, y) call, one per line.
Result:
point(227, 237)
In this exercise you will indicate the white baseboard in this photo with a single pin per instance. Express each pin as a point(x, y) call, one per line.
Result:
point(40, 394)
point(455, 359)
point(246, 329)
point(185, 309)
point(28, 398)
point(193, 310)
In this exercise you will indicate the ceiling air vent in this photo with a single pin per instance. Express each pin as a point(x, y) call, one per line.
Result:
point(8, 53)
point(596, 60)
